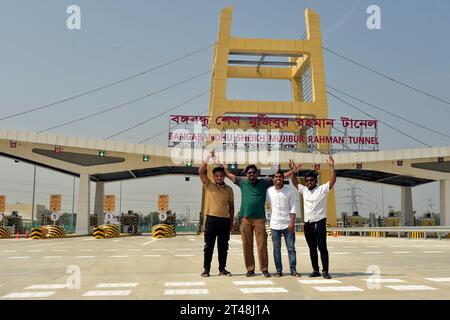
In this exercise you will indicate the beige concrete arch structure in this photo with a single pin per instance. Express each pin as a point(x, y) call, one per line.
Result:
point(304, 56)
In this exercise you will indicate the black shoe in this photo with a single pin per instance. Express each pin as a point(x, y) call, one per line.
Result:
point(205, 273)
point(225, 273)
point(295, 274)
point(278, 274)
point(250, 273)
point(266, 274)
point(314, 274)
point(326, 275)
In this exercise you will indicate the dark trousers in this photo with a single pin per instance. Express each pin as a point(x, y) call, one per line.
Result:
point(316, 236)
point(219, 228)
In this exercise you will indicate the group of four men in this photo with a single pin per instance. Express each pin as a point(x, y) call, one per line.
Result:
point(255, 192)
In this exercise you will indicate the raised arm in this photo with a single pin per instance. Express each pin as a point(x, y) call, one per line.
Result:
point(202, 171)
point(228, 173)
point(294, 169)
point(332, 172)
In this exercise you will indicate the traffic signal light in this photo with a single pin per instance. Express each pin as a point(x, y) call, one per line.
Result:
point(145, 158)
point(232, 166)
point(188, 163)
point(102, 153)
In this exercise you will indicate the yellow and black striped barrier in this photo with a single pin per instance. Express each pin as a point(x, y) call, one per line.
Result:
point(99, 233)
point(417, 235)
point(268, 230)
point(163, 231)
point(4, 233)
point(329, 232)
point(54, 232)
point(36, 233)
point(111, 230)
point(376, 234)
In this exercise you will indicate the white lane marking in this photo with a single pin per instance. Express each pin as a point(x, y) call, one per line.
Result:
point(237, 241)
point(117, 285)
point(252, 282)
point(411, 288)
point(105, 293)
point(184, 255)
point(118, 256)
point(19, 258)
point(85, 257)
point(151, 255)
point(342, 253)
point(263, 290)
point(438, 279)
point(47, 286)
point(85, 250)
point(382, 280)
point(372, 252)
point(338, 289)
point(372, 246)
point(319, 281)
point(8, 251)
point(396, 246)
point(160, 249)
point(418, 246)
point(117, 240)
point(34, 250)
point(53, 257)
point(134, 249)
point(148, 242)
point(60, 250)
point(185, 284)
point(350, 247)
point(240, 254)
point(401, 252)
point(186, 291)
point(109, 250)
point(21, 295)
point(441, 245)
point(184, 249)
point(432, 252)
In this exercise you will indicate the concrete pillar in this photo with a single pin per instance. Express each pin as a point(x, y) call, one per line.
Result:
point(444, 202)
point(407, 215)
point(83, 204)
point(99, 201)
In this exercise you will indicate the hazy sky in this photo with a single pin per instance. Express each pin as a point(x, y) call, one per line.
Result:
point(42, 61)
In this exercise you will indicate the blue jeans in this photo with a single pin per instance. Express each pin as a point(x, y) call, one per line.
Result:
point(289, 238)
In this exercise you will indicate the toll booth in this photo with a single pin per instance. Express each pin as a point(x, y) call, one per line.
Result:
point(13, 222)
point(426, 221)
point(129, 222)
point(355, 220)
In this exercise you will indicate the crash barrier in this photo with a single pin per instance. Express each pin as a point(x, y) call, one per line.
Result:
point(376, 234)
point(48, 232)
point(4, 233)
point(410, 232)
point(268, 229)
point(36, 233)
point(163, 231)
point(106, 231)
point(417, 235)
point(53, 232)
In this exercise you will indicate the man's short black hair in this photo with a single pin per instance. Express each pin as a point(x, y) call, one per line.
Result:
point(250, 166)
point(279, 172)
point(310, 174)
point(218, 169)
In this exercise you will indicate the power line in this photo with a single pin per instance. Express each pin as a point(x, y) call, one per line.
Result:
point(105, 86)
point(164, 131)
point(388, 77)
point(124, 104)
point(392, 114)
point(369, 115)
point(158, 115)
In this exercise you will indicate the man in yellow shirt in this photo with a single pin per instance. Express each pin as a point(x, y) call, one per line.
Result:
point(219, 212)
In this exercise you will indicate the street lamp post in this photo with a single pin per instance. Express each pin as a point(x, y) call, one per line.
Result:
point(34, 194)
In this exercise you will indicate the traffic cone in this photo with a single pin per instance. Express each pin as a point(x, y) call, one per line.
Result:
point(26, 234)
point(335, 233)
point(18, 236)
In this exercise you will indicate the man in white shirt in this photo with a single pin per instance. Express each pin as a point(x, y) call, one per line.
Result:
point(282, 222)
point(315, 215)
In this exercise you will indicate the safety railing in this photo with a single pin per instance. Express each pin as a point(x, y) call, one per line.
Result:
point(410, 232)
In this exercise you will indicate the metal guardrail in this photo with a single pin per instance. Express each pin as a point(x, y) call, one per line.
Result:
point(440, 231)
